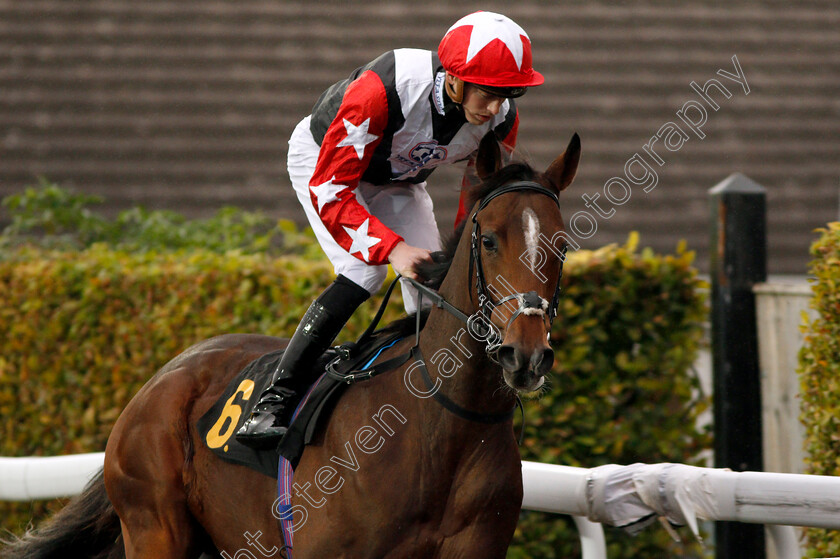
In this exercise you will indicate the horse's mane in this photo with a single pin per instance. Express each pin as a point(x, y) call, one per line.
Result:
point(433, 273)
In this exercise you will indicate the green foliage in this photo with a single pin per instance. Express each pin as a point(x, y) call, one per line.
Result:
point(83, 331)
point(58, 215)
point(622, 389)
point(86, 326)
point(819, 376)
point(53, 217)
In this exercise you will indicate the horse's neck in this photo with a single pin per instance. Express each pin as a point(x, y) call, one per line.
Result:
point(447, 345)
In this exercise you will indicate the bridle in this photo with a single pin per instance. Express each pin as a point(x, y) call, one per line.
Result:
point(478, 324)
point(529, 302)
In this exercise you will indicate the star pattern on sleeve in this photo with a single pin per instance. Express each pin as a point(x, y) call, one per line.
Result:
point(361, 240)
point(327, 192)
point(347, 148)
point(357, 136)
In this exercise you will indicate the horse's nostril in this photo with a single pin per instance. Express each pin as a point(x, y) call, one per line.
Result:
point(510, 358)
point(542, 360)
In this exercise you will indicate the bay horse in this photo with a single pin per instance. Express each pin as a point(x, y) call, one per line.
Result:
point(392, 473)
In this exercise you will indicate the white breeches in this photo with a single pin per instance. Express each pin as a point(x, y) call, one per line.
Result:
point(404, 208)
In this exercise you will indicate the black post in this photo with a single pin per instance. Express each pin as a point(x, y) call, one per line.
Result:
point(738, 261)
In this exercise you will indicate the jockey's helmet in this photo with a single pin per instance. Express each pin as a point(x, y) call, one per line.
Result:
point(491, 51)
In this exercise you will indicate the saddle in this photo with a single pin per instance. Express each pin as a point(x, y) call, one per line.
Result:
point(340, 366)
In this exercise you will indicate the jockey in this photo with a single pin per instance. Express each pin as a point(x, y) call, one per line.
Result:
point(359, 165)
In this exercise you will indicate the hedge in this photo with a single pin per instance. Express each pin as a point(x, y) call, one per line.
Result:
point(819, 376)
point(85, 330)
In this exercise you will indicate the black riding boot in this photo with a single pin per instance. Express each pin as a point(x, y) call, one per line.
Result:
point(320, 325)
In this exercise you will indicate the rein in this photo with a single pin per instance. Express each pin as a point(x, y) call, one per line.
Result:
point(484, 329)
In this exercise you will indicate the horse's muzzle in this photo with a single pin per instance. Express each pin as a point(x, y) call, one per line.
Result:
point(524, 372)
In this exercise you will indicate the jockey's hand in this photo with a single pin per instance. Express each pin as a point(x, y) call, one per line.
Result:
point(404, 258)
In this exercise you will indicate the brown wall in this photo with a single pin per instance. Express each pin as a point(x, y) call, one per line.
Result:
point(188, 104)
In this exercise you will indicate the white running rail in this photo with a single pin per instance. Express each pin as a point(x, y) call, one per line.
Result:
point(615, 495)
point(32, 478)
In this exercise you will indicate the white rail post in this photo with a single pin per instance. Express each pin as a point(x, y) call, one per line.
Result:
point(593, 545)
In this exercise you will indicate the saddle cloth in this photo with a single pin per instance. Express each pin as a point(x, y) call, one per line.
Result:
point(218, 426)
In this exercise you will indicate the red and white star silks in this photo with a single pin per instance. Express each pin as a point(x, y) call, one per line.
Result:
point(489, 49)
point(345, 154)
point(486, 27)
point(386, 125)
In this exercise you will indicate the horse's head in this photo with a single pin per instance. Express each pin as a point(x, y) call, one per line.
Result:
point(518, 244)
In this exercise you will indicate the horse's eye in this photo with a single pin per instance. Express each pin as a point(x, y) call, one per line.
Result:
point(489, 243)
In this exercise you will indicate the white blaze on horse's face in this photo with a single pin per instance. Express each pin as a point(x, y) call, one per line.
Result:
point(524, 357)
point(531, 228)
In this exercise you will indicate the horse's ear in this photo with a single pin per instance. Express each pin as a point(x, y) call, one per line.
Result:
point(489, 158)
point(562, 170)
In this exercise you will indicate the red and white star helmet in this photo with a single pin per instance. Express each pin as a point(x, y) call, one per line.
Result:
point(490, 50)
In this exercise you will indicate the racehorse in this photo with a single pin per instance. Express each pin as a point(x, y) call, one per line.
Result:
point(421, 461)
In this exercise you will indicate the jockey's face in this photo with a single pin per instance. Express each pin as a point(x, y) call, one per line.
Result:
point(479, 105)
